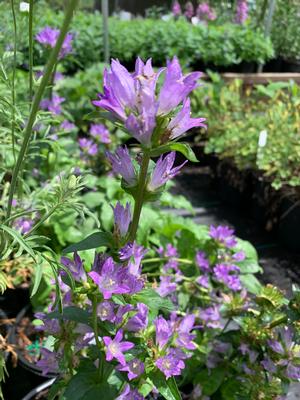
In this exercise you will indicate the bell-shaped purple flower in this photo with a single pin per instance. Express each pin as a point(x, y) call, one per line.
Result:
point(176, 87)
point(87, 146)
point(134, 368)
point(135, 253)
point(224, 235)
point(183, 122)
point(100, 133)
point(166, 286)
point(185, 338)
point(170, 364)
point(106, 311)
point(140, 320)
point(48, 362)
point(111, 279)
point(75, 267)
point(163, 331)
point(48, 36)
point(130, 394)
point(53, 105)
point(122, 218)
point(176, 9)
point(121, 164)
point(114, 348)
point(164, 171)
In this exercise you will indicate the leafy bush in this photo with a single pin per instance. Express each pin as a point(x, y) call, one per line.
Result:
point(236, 120)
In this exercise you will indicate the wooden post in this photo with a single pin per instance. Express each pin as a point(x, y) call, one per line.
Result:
point(104, 6)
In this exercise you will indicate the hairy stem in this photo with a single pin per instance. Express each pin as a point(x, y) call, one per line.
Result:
point(30, 51)
point(36, 102)
point(140, 197)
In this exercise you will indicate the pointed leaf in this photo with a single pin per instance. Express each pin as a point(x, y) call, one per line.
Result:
point(97, 239)
point(182, 148)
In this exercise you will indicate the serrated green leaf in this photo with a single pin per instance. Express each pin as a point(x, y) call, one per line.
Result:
point(97, 239)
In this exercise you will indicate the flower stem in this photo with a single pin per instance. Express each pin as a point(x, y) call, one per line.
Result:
point(95, 327)
point(13, 92)
point(36, 102)
point(140, 197)
point(30, 51)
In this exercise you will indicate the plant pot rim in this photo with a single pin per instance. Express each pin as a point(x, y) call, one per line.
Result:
point(38, 389)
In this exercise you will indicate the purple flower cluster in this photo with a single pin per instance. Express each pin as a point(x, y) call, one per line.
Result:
point(53, 105)
point(173, 340)
point(48, 37)
point(100, 133)
point(227, 274)
point(223, 235)
point(241, 11)
point(122, 164)
point(189, 10)
point(205, 13)
point(176, 9)
point(87, 147)
point(24, 225)
point(132, 99)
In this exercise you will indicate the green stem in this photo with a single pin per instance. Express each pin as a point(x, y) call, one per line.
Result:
point(13, 93)
point(96, 332)
point(140, 196)
point(42, 220)
point(158, 259)
point(30, 23)
point(36, 102)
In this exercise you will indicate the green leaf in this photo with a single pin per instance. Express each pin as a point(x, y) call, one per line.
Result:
point(97, 239)
point(153, 300)
point(210, 381)
point(16, 235)
point(166, 387)
point(182, 148)
point(249, 267)
point(72, 313)
point(248, 248)
point(251, 283)
point(84, 385)
point(233, 390)
point(37, 277)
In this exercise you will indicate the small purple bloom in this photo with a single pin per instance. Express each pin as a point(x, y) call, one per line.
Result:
point(241, 11)
point(67, 126)
point(122, 310)
point(88, 146)
point(170, 364)
point(182, 122)
point(53, 105)
point(269, 365)
point(135, 253)
point(189, 10)
point(163, 171)
point(48, 362)
point(134, 368)
point(176, 87)
point(176, 9)
point(185, 338)
point(202, 261)
point(24, 225)
point(75, 267)
point(239, 256)
point(106, 311)
point(204, 12)
point(293, 371)
point(100, 132)
point(203, 280)
point(140, 320)
point(211, 316)
point(122, 218)
point(223, 273)
point(163, 331)
point(111, 279)
point(51, 326)
point(121, 164)
point(115, 348)
point(48, 37)
point(166, 286)
point(223, 235)
point(276, 346)
point(129, 394)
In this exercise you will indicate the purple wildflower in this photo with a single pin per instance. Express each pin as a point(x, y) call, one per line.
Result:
point(53, 105)
point(24, 225)
point(48, 37)
point(75, 267)
point(176, 9)
point(269, 365)
point(166, 286)
point(106, 311)
point(115, 348)
point(223, 235)
point(211, 316)
point(203, 280)
point(67, 126)
point(239, 256)
point(140, 320)
point(122, 218)
point(189, 10)
point(163, 171)
point(135, 253)
point(202, 261)
point(170, 364)
point(241, 11)
point(122, 310)
point(293, 371)
point(222, 273)
point(87, 146)
point(48, 362)
point(204, 12)
point(111, 279)
point(163, 331)
point(176, 87)
point(184, 338)
point(100, 132)
point(121, 164)
point(134, 368)
point(51, 326)
point(130, 394)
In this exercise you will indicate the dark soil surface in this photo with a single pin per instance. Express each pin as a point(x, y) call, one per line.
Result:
point(281, 267)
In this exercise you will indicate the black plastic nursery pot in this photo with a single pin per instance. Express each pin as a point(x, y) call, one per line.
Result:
point(5, 328)
point(40, 392)
point(13, 300)
point(26, 375)
point(289, 224)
